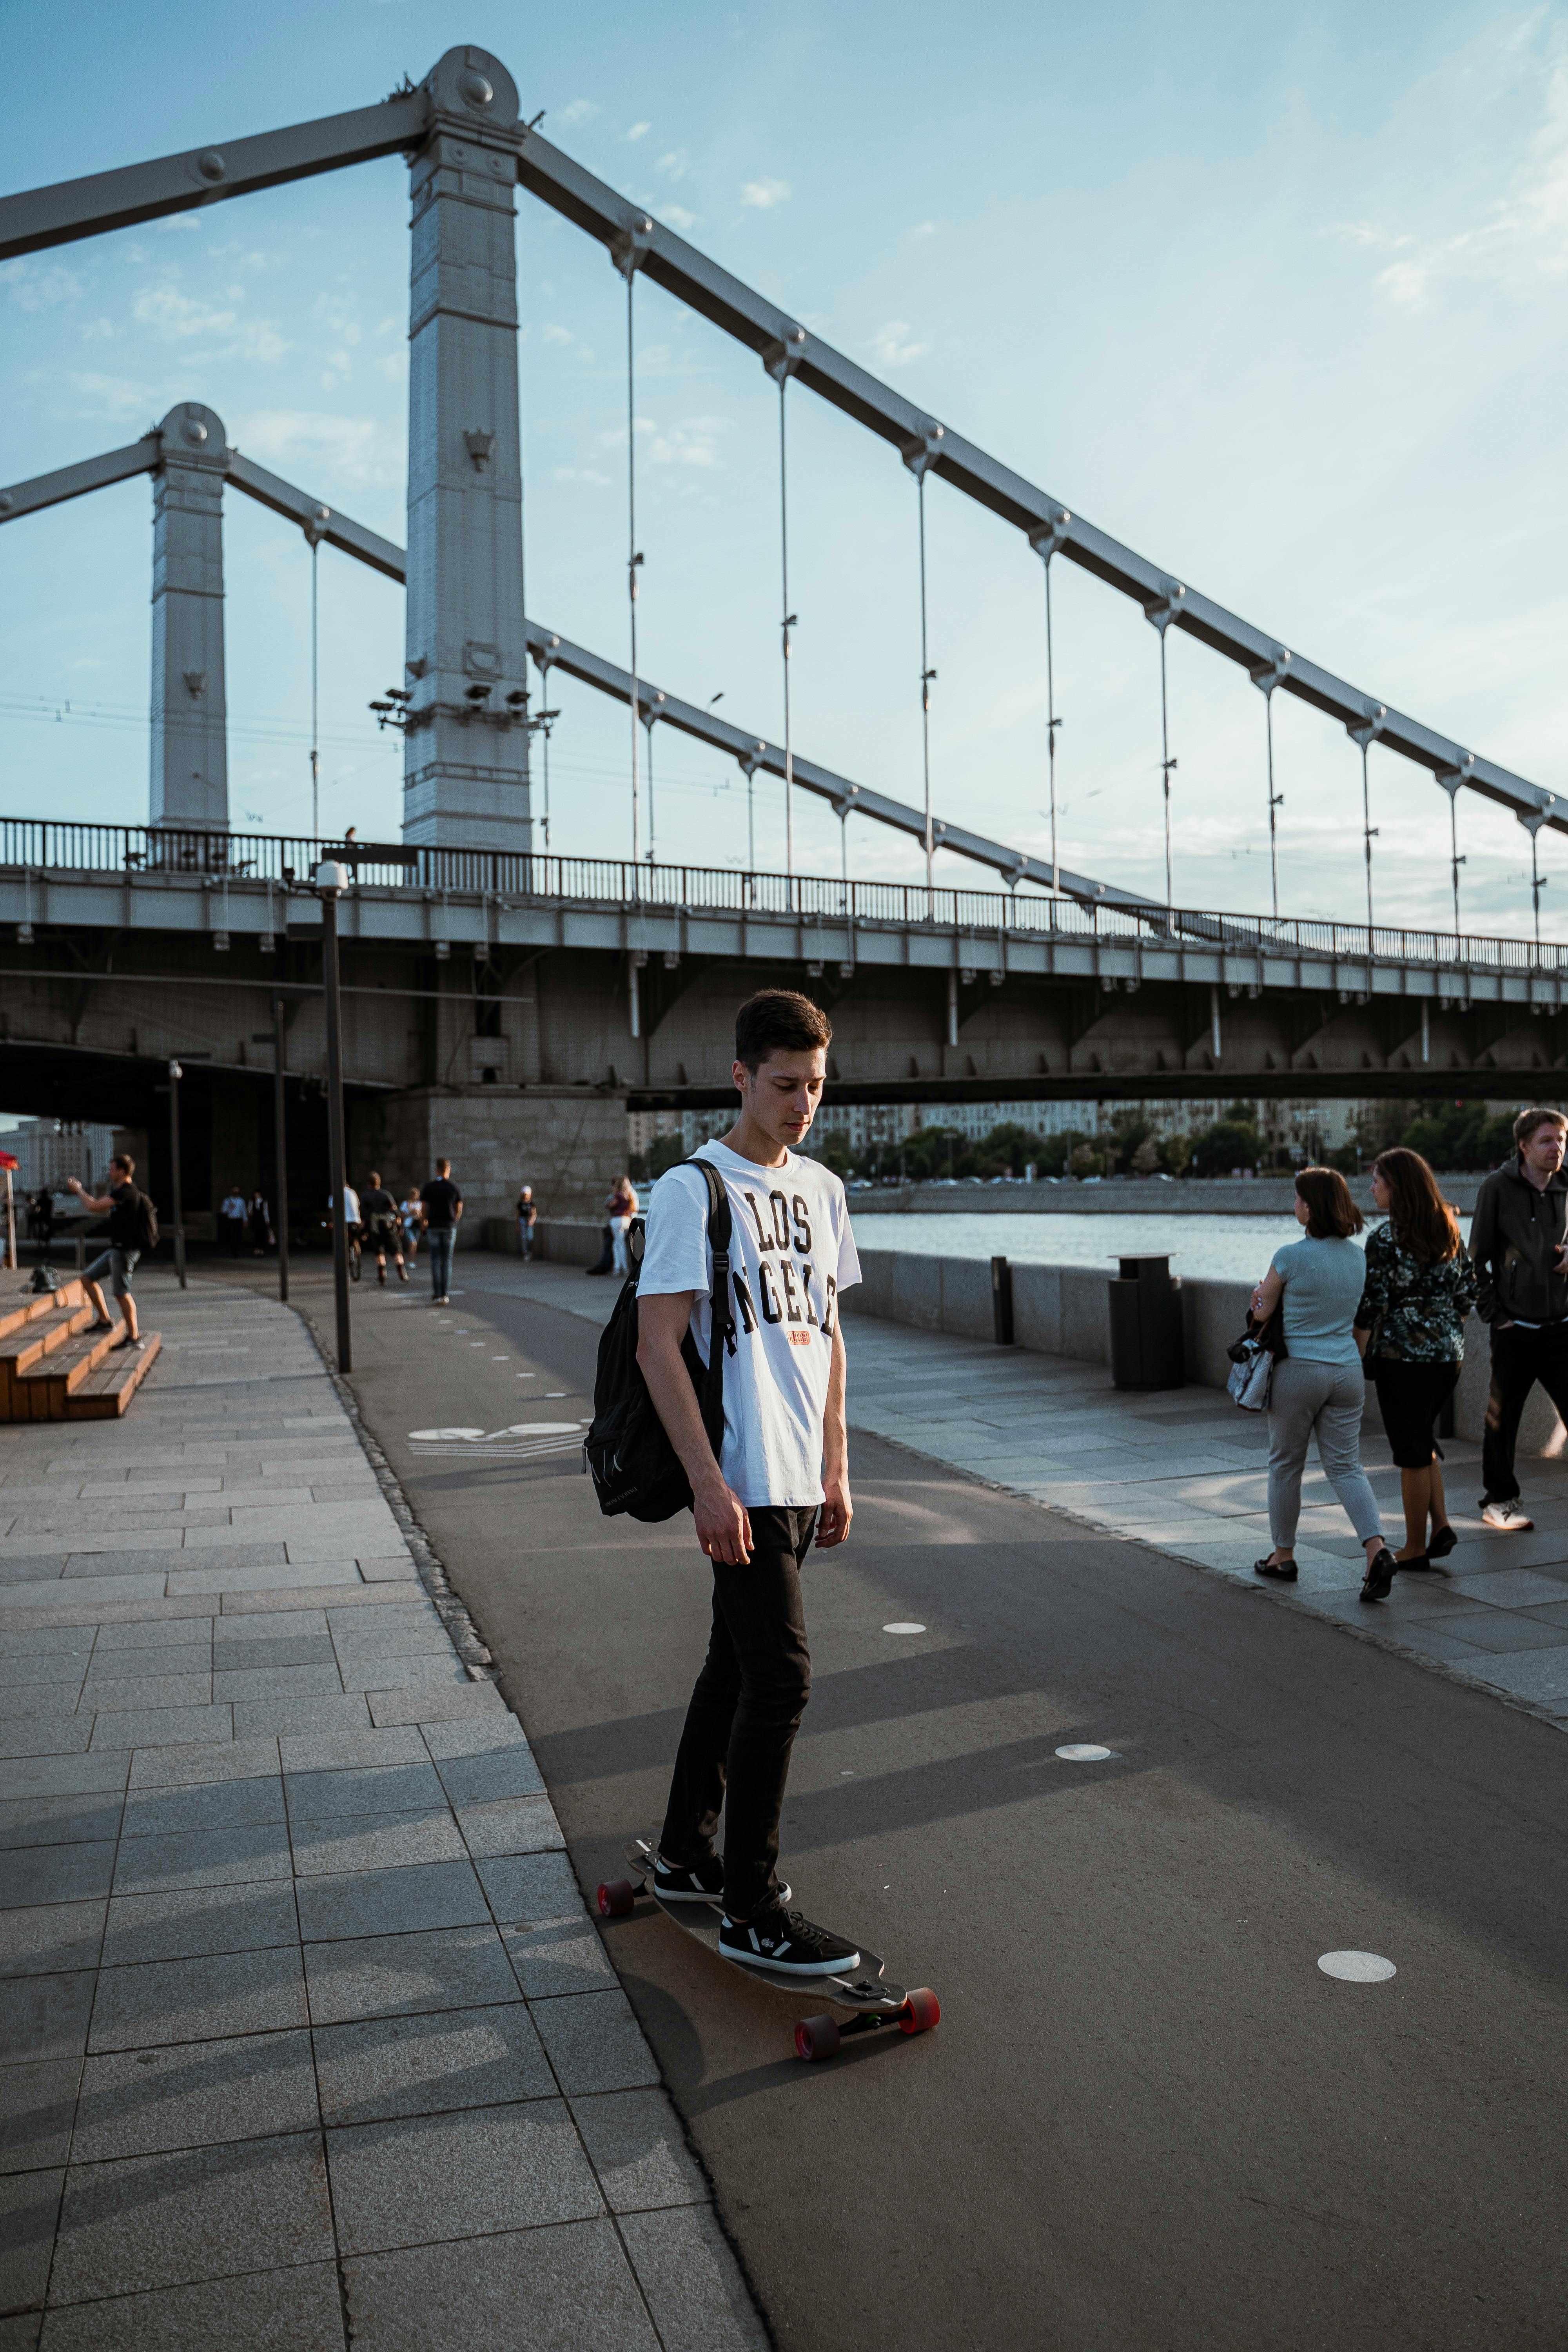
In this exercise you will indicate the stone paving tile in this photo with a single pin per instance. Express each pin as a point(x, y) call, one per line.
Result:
point(562, 1955)
point(49, 1936)
point(410, 2181)
point(527, 1889)
point(204, 1762)
point(30, 1875)
point(637, 2147)
point(255, 1717)
point(162, 1727)
point(89, 1598)
point(63, 1666)
point(46, 2016)
point(569, 2287)
point(386, 1902)
point(250, 1651)
point(280, 1624)
point(143, 2006)
point(371, 1789)
point(147, 2221)
point(136, 2103)
point(232, 1857)
point(125, 1693)
point(458, 1703)
point(326, 1751)
point(509, 1771)
point(45, 1736)
point(509, 1825)
point(417, 1676)
point(393, 1975)
point(266, 1682)
point(373, 1842)
point(37, 2103)
point(318, 1595)
point(480, 1735)
point(29, 2205)
point(211, 1805)
point(57, 1821)
point(692, 2281)
point(594, 2043)
point(410, 2065)
point(190, 1921)
point(296, 2309)
point(172, 1626)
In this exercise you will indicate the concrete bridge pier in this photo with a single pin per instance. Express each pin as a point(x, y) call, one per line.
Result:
point(568, 1142)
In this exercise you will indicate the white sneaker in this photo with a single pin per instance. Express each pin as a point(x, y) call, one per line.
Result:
point(1507, 1517)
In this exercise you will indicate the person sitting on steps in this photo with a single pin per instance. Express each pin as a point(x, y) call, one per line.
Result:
point(781, 1480)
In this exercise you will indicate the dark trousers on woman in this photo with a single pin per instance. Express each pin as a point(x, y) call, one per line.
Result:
point(1520, 1359)
point(745, 1713)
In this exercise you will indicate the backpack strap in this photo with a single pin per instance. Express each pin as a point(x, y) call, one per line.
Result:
point(721, 1328)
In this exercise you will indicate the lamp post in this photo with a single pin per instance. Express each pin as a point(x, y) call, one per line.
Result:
point(330, 881)
point(175, 1074)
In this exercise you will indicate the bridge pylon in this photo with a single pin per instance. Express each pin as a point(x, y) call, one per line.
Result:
point(188, 784)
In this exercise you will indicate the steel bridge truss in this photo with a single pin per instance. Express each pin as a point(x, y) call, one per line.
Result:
point(468, 148)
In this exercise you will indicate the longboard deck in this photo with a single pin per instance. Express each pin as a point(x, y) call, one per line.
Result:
point(863, 1991)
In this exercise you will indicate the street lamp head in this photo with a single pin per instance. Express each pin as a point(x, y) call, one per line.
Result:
point(331, 879)
point(175, 1071)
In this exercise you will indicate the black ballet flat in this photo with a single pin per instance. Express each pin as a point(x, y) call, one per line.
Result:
point(1283, 1571)
point(1441, 1544)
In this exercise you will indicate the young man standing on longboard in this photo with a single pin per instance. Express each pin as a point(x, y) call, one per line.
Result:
point(781, 1480)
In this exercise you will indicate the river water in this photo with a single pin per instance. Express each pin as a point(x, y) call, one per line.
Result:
point(1219, 1247)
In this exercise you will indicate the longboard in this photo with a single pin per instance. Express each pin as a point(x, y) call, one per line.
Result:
point(871, 2004)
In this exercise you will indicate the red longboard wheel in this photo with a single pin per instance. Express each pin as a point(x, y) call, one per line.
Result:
point(617, 1899)
point(815, 2037)
point(922, 2012)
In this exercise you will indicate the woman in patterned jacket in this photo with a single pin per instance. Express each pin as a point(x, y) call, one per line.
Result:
point(1420, 1286)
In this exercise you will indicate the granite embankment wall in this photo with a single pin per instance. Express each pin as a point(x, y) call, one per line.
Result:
point(1062, 1310)
point(1125, 1196)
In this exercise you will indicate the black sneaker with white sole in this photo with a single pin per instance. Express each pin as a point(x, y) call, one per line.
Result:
point(784, 1939)
point(702, 1883)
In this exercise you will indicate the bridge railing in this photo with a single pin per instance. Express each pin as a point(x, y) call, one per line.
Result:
point(42, 845)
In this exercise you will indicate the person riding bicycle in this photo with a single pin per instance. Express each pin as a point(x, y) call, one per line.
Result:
point(385, 1228)
point(354, 1226)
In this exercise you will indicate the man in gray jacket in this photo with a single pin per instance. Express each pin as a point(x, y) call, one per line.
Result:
point(1519, 1235)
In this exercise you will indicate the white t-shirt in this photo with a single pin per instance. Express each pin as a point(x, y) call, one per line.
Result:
point(351, 1202)
point(791, 1255)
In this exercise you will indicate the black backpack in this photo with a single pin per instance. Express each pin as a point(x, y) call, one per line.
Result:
point(146, 1224)
point(634, 1466)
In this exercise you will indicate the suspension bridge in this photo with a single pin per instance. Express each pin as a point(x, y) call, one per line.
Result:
point(505, 1001)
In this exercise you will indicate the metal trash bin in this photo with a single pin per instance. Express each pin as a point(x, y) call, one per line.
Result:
point(1146, 1342)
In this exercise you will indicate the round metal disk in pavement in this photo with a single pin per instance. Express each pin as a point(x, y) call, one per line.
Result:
point(1357, 1967)
point(903, 1628)
point(1085, 1755)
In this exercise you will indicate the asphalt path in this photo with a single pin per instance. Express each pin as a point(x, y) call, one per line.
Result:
point(1147, 2117)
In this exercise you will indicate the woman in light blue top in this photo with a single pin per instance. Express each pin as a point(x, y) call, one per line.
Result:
point(1318, 1388)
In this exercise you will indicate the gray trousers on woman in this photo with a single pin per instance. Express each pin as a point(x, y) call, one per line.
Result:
point(1327, 1399)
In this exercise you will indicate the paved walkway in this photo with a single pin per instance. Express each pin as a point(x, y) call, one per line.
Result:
point(1186, 1473)
point(305, 2036)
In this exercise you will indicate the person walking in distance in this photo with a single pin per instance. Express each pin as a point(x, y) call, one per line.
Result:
point(441, 1210)
point(1518, 1242)
point(234, 1214)
point(260, 1226)
point(621, 1207)
point(1319, 1387)
point(1420, 1286)
point(413, 1216)
point(385, 1228)
point(527, 1218)
point(127, 1211)
point(781, 1482)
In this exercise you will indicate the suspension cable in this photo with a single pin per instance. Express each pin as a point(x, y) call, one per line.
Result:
point(787, 624)
point(1369, 830)
point(1052, 723)
point(315, 675)
point(927, 674)
point(1455, 860)
point(1276, 800)
point(1166, 764)
point(632, 558)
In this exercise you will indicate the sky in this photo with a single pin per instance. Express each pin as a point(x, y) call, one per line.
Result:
point(1279, 298)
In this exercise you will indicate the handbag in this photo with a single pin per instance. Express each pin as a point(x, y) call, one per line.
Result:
point(1252, 1375)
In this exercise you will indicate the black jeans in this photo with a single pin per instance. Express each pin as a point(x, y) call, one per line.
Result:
point(745, 1713)
point(1520, 1359)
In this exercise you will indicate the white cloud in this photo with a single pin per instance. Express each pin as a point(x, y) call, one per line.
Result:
point(678, 217)
point(551, 333)
point(580, 473)
point(182, 318)
point(116, 397)
point(675, 165)
point(693, 444)
point(889, 347)
point(1517, 246)
point(638, 131)
point(41, 285)
point(765, 195)
point(924, 228)
point(354, 450)
point(581, 110)
point(99, 331)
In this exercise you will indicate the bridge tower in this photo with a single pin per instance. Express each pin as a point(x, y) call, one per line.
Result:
point(465, 783)
point(188, 785)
